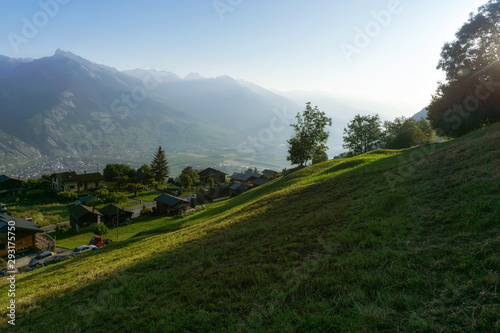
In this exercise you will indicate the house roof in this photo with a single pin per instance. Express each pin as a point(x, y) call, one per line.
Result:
point(209, 172)
point(82, 210)
point(243, 177)
point(4, 178)
point(170, 199)
point(236, 186)
point(71, 176)
point(20, 223)
point(260, 181)
point(111, 209)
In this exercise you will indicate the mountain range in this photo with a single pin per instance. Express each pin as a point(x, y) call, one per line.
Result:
point(66, 106)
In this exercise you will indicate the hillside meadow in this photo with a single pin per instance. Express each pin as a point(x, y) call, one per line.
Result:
point(387, 241)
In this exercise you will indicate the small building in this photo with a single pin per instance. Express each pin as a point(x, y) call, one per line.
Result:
point(73, 182)
point(246, 177)
point(270, 174)
point(218, 176)
point(171, 205)
point(27, 234)
point(259, 182)
point(83, 218)
point(236, 188)
point(111, 212)
point(10, 185)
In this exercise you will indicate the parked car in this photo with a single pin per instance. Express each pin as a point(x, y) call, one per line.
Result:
point(99, 241)
point(83, 249)
point(41, 259)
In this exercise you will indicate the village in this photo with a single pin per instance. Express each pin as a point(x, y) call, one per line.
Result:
point(95, 204)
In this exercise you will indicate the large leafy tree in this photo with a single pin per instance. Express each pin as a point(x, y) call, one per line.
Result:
point(470, 96)
point(159, 166)
point(310, 135)
point(363, 133)
point(407, 132)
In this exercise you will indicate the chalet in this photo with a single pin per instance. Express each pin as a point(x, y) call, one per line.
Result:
point(171, 205)
point(83, 218)
point(270, 174)
point(218, 176)
point(73, 182)
point(237, 188)
point(9, 184)
point(27, 234)
point(112, 212)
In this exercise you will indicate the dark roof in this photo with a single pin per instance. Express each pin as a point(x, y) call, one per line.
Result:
point(4, 178)
point(72, 176)
point(237, 185)
point(85, 198)
point(169, 199)
point(20, 223)
point(209, 172)
point(269, 172)
point(260, 181)
point(111, 209)
point(245, 176)
point(82, 210)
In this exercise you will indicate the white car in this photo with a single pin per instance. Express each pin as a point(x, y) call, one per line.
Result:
point(3, 208)
point(41, 259)
point(83, 248)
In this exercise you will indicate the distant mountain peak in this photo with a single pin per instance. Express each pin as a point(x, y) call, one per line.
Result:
point(194, 76)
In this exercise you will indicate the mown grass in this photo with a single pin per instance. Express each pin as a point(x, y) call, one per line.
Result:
point(387, 241)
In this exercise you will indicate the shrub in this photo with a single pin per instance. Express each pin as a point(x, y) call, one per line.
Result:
point(3, 263)
point(147, 211)
point(63, 228)
point(100, 229)
point(67, 196)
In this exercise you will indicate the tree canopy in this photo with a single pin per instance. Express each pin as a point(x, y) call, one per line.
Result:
point(310, 135)
point(407, 132)
point(159, 166)
point(363, 133)
point(470, 96)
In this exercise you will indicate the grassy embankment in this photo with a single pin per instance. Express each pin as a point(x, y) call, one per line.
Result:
point(333, 247)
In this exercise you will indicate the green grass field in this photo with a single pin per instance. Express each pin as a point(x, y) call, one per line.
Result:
point(387, 241)
point(42, 214)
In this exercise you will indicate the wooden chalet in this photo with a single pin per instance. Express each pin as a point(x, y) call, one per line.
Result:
point(218, 176)
point(112, 212)
point(10, 185)
point(171, 205)
point(83, 218)
point(27, 234)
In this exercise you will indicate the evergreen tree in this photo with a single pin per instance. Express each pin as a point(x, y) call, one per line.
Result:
point(159, 166)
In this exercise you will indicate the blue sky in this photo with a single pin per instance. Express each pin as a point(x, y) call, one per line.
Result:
point(283, 45)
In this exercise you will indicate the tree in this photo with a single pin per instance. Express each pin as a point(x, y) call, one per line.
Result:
point(250, 170)
point(186, 181)
point(136, 188)
point(470, 96)
point(320, 156)
point(211, 182)
point(100, 229)
point(363, 133)
point(159, 166)
point(193, 174)
point(309, 135)
point(121, 180)
point(407, 132)
point(112, 171)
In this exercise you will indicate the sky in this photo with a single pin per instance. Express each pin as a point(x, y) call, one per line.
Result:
point(379, 55)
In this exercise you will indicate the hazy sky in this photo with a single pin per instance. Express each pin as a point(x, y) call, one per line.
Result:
point(284, 45)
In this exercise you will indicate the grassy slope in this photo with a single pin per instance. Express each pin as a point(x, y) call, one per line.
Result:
point(328, 248)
